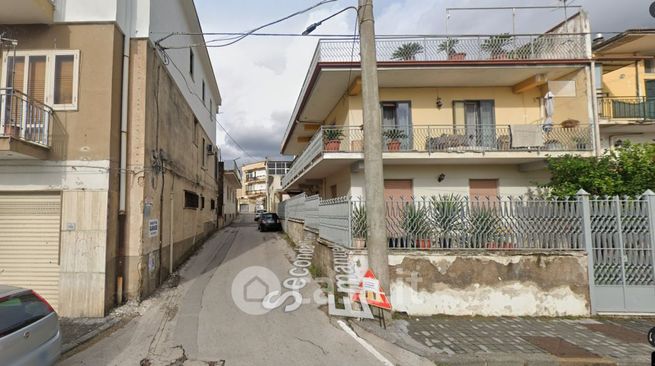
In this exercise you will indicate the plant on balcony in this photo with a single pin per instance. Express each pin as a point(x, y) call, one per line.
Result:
point(358, 222)
point(495, 45)
point(407, 51)
point(448, 46)
point(393, 137)
point(446, 218)
point(332, 139)
point(416, 226)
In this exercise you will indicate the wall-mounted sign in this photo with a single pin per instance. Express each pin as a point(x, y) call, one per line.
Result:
point(153, 227)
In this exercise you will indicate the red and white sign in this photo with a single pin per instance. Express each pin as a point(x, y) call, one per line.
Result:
point(373, 291)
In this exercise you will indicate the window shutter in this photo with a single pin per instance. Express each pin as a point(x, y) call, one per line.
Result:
point(36, 78)
point(64, 67)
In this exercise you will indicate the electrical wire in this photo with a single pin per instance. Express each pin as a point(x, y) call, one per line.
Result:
point(246, 34)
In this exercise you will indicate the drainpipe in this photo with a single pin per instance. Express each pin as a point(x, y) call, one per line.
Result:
point(593, 103)
point(122, 181)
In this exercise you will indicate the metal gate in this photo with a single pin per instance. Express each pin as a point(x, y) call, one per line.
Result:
point(622, 253)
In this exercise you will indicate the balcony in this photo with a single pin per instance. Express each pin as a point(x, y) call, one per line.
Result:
point(638, 109)
point(26, 11)
point(24, 126)
point(447, 144)
point(460, 48)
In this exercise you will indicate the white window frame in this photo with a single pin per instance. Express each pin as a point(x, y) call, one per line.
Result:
point(50, 56)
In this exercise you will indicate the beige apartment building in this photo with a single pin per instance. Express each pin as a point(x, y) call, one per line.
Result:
point(252, 196)
point(465, 115)
point(108, 164)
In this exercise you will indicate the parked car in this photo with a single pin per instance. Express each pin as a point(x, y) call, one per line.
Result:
point(29, 328)
point(269, 221)
point(258, 214)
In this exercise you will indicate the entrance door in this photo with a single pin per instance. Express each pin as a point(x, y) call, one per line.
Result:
point(483, 188)
point(398, 197)
point(479, 122)
point(650, 99)
point(397, 116)
point(650, 89)
point(398, 190)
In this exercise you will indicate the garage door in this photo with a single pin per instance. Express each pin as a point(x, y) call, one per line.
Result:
point(29, 242)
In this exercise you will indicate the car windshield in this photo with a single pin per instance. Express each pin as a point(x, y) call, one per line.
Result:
point(269, 216)
point(20, 311)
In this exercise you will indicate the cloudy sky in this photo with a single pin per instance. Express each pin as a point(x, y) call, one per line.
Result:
point(260, 78)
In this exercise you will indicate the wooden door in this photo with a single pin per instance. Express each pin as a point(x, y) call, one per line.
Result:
point(483, 188)
point(397, 189)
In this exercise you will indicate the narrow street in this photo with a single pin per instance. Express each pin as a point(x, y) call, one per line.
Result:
point(197, 321)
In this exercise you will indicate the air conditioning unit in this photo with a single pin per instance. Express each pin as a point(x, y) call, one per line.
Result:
point(211, 150)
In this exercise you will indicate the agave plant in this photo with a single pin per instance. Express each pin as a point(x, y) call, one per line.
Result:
point(446, 217)
point(332, 134)
point(407, 51)
point(495, 44)
point(416, 223)
point(359, 221)
point(448, 46)
point(394, 134)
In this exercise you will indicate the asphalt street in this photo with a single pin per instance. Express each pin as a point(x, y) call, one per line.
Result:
point(198, 322)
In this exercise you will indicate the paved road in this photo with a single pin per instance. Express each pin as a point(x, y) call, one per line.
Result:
point(197, 322)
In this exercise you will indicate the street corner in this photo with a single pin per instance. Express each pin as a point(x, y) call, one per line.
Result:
point(250, 286)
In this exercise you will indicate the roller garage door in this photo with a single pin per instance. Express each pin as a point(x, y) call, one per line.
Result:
point(29, 242)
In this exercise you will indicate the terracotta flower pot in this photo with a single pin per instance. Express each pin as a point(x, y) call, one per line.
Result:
point(459, 56)
point(333, 145)
point(424, 243)
point(359, 243)
point(393, 146)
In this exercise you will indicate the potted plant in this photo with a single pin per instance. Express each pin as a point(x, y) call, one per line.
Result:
point(393, 137)
point(359, 228)
point(570, 123)
point(448, 46)
point(495, 45)
point(446, 218)
point(417, 226)
point(483, 226)
point(332, 139)
point(407, 51)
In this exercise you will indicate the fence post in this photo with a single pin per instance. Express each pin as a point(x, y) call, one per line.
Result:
point(585, 210)
point(650, 204)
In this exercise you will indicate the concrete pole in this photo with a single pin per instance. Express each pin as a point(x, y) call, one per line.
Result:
point(375, 210)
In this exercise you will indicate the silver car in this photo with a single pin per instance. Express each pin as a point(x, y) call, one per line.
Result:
point(29, 329)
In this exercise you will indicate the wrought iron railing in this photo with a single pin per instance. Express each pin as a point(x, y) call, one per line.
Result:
point(631, 108)
point(445, 139)
point(24, 118)
point(461, 48)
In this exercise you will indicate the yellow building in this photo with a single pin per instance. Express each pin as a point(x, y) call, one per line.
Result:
point(625, 85)
point(252, 195)
point(462, 115)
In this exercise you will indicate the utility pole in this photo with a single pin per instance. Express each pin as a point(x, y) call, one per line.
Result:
point(373, 174)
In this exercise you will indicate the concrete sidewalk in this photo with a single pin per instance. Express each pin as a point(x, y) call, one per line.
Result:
point(520, 341)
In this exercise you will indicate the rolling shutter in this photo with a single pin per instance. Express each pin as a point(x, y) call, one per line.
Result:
point(29, 243)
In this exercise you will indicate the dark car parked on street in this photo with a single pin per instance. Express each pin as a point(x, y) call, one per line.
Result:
point(29, 329)
point(269, 221)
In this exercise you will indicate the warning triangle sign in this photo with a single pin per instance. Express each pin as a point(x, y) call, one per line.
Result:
point(373, 291)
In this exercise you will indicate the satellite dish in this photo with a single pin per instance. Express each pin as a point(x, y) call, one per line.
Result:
point(652, 9)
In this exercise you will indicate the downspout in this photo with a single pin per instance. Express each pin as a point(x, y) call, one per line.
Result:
point(594, 108)
point(122, 181)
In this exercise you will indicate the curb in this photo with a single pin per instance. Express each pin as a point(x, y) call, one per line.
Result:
point(67, 347)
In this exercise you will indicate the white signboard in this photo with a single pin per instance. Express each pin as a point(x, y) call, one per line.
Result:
point(153, 227)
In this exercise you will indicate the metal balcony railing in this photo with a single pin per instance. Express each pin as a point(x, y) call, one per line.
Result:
point(445, 139)
point(461, 48)
point(632, 108)
point(24, 118)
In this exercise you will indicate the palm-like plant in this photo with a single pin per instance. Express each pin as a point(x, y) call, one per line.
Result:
point(448, 46)
point(407, 51)
point(416, 223)
point(446, 217)
point(359, 227)
point(394, 134)
point(332, 135)
point(495, 45)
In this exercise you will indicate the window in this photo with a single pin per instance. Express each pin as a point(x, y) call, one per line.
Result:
point(213, 204)
point(278, 167)
point(191, 62)
point(190, 200)
point(398, 116)
point(50, 77)
point(476, 120)
point(203, 91)
point(195, 131)
point(649, 66)
point(204, 152)
point(18, 312)
point(202, 202)
point(211, 109)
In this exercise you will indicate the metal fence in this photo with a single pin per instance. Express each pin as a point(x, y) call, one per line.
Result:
point(461, 48)
point(498, 223)
point(311, 213)
point(24, 118)
point(633, 108)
